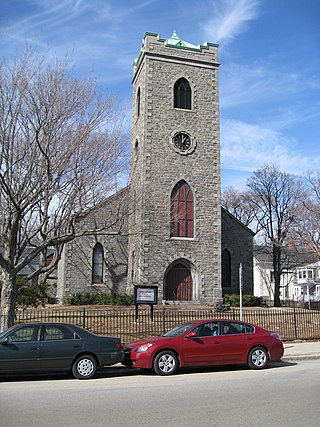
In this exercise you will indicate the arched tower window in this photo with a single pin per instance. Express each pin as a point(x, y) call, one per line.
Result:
point(181, 211)
point(182, 94)
point(97, 264)
point(138, 102)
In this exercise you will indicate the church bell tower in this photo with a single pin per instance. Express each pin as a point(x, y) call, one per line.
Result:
point(175, 225)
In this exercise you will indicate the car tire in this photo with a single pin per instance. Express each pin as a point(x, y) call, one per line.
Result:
point(84, 367)
point(258, 358)
point(165, 363)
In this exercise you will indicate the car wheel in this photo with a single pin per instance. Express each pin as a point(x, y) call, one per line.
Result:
point(258, 358)
point(84, 367)
point(165, 363)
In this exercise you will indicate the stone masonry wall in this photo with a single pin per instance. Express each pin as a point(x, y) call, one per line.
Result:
point(75, 267)
point(238, 239)
point(159, 167)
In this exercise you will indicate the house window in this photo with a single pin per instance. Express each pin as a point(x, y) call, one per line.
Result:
point(181, 211)
point(97, 264)
point(182, 94)
point(305, 274)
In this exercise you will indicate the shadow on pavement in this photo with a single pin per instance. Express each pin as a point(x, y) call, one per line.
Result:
point(122, 371)
point(109, 372)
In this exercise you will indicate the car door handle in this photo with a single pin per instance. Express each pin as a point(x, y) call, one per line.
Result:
point(249, 338)
point(35, 348)
point(76, 346)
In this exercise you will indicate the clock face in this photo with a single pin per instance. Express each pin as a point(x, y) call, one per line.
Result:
point(182, 141)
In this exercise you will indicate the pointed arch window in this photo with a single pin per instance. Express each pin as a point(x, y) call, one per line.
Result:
point(182, 94)
point(181, 211)
point(97, 264)
point(226, 269)
point(138, 102)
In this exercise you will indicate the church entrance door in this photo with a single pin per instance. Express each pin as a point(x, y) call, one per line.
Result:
point(178, 284)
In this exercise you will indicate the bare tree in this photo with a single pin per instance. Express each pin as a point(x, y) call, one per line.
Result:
point(61, 151)
point(240, 205)
point(276, 195)
point(307, 230)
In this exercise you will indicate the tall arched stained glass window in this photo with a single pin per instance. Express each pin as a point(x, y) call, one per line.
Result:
point(181, 211)
point(182, 94)
point(97, 264)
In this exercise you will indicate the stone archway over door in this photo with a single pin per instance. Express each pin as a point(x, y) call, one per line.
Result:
point(178, 284)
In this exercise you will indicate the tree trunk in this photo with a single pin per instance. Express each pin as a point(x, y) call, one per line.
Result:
point(8, 300)
point(277, 274)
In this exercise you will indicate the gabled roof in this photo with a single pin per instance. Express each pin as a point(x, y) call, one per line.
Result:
point(293, 257)
point(233, 218)
point(108, 200)
point(34, 263)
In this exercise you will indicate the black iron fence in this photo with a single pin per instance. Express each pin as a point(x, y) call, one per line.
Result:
point(291, 324)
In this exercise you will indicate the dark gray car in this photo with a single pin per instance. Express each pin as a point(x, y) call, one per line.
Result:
point(56, 347)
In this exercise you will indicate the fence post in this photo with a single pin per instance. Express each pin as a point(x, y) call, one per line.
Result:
point(84, 318)
point(163, 321)
point(295, 322)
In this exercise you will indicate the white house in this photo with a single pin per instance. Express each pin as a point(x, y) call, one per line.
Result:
point(306, 285)
point(300, 279)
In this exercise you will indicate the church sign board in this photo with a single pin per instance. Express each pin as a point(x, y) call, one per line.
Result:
point(145, 295)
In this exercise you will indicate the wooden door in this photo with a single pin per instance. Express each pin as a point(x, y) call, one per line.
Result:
point(179, 284)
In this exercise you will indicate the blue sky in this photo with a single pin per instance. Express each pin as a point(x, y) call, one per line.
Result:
point(269, 55)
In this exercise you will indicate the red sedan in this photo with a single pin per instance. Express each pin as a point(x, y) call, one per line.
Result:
point(206, 343)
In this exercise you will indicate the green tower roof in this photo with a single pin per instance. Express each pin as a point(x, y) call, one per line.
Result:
point(174, 42)
point(177, 42)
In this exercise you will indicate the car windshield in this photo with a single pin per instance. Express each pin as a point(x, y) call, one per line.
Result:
point(178, 330)
point(6, 331)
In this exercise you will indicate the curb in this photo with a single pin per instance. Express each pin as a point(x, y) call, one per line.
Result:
point(301, 357)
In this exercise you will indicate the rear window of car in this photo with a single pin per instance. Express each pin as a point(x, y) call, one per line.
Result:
point(58, 332)
point(231, 328)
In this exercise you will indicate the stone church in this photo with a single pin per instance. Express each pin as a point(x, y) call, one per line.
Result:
point(167, 228)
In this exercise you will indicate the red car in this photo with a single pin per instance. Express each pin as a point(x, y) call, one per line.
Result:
point(205, 343)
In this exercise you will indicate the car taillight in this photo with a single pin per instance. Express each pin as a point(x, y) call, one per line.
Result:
point(118, 345)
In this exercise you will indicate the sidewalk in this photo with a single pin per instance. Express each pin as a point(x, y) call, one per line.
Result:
point(301, 351)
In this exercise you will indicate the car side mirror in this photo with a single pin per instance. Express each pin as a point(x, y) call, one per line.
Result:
point(191, 335)
point(5, 341)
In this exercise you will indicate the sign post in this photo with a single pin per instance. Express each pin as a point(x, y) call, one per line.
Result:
point(145, 295)
point(240, 288)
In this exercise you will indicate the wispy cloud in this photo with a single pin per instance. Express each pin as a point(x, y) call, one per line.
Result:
point(67, 21)
point(50, 15)
point(229, 18)
point(247, 147)
point(91, 33)
point(242, 84)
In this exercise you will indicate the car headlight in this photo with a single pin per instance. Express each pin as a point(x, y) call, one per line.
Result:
point(275, 335)
point(144, 347)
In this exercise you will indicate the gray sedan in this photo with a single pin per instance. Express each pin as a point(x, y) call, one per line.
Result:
point(56, 347)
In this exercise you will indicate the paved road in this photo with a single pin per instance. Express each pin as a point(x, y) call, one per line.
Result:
point(286, 394)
